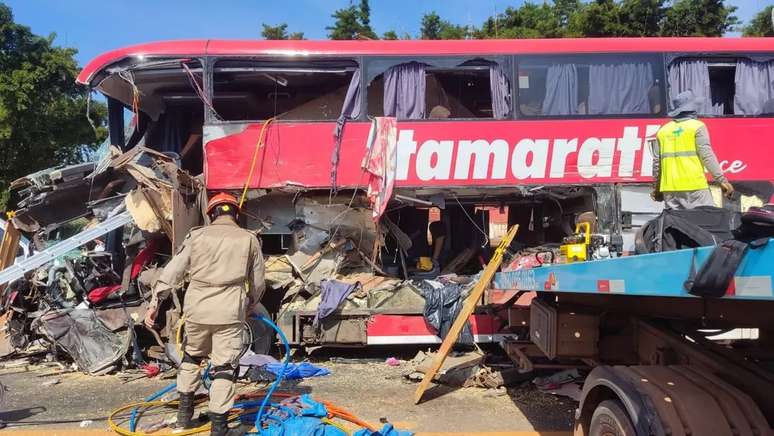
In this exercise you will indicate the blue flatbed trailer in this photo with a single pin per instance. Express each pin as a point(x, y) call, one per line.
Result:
point(655, 275)
point(654, 368)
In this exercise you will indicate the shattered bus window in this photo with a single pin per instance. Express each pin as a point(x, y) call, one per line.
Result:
point(459, 93)
point(250, 90)
point(441, 89)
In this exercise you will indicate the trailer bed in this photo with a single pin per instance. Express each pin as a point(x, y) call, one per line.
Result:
point(656, 274)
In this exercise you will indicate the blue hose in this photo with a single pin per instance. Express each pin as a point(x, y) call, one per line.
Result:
point(281, 374)
point(205, 375)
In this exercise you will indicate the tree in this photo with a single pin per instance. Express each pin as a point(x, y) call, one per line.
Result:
point(761, 24)
point(353, 22)
point(390, 35)
point(599, 18)
point(42, 111)
point(279, 31)
point(641, 17)
point(275, 32)
point(433, 27)
point(699, 18)
point(530, 20)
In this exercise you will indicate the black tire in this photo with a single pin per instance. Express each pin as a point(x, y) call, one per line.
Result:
point(610, 419)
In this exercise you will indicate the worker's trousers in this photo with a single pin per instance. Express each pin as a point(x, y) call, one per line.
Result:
point(688, 199)
point(222, 344)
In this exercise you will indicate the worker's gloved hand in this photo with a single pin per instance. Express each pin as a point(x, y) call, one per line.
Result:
point(151, 313)
point(657, 195)
point(728, 189)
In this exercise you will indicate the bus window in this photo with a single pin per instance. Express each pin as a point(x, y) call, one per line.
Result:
point(414, 90)
point(590, 85)
point(253, 90)
point(463, 92)
point(725, 86)
point(710, 80)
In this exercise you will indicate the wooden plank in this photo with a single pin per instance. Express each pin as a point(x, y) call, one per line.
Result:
point(467, 310)
point(10, 245)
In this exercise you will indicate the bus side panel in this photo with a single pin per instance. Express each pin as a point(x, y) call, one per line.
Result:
point(474, 153)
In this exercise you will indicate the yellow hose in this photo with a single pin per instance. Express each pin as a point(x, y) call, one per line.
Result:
point(261, 139)
point(122, 431)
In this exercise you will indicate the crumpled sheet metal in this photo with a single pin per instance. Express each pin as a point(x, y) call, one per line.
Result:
point(94, 348)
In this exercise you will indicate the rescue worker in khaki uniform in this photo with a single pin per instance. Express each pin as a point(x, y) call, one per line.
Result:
point(224, 267)
point(684, 151)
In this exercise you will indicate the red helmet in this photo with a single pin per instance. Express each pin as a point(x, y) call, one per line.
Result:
point(222, 198)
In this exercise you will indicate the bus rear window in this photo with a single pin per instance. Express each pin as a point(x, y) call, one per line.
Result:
point(590, 85)
point(245, 90)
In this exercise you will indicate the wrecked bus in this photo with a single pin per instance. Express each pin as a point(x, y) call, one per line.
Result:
point(540, 133)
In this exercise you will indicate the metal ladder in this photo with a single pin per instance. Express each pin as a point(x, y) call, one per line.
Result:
point(16, 271)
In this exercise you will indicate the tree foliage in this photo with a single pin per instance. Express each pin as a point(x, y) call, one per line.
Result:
point(699, 18)
point(42, 111)
point(390, 35)
point(761, 24)
point(353, 22)
point(611, 18)
point(433, 27)
point(279, 31)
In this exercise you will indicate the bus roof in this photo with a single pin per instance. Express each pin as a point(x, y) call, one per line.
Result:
point(202, 47)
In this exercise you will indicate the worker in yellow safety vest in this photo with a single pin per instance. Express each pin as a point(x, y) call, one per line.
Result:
point(684, 151)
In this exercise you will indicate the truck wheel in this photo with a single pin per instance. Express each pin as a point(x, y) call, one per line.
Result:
point(610, 419)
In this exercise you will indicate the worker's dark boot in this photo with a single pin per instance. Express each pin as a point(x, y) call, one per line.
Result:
point(220, 425)
point(185, 411)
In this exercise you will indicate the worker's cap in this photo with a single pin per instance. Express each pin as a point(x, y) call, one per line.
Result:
point(685, 101)
point(222, 199)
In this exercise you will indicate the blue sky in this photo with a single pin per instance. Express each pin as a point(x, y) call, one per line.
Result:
point(96, 26)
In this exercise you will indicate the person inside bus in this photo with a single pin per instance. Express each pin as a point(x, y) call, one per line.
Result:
point(684, 151)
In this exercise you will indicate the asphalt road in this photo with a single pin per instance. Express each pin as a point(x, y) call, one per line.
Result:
point(372, 391)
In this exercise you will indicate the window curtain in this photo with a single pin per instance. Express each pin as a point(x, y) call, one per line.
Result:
point(561, 90)
point(693, 75)
point(754, 83)
point(620, 88)
point(351, 107)
point(404, 91)
point(501, 91)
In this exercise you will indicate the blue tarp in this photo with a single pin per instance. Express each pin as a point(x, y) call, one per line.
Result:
point(304, 416)
point(297, 371)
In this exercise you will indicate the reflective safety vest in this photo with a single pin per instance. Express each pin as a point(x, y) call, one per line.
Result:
point(681, 167)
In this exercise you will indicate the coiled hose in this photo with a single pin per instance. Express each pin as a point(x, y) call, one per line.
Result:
point(152, 400)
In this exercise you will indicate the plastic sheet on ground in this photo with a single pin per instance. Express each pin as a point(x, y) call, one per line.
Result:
point(297, 371)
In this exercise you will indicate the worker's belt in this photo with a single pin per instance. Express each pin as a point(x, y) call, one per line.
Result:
point(238, 281)
point(690, 153)
point(196, 360)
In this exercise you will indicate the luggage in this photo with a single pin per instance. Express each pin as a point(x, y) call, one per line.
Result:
point(718, 271)
point(757, 222)
point(680, 229)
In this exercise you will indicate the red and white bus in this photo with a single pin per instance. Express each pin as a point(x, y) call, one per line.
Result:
point(541, 130)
